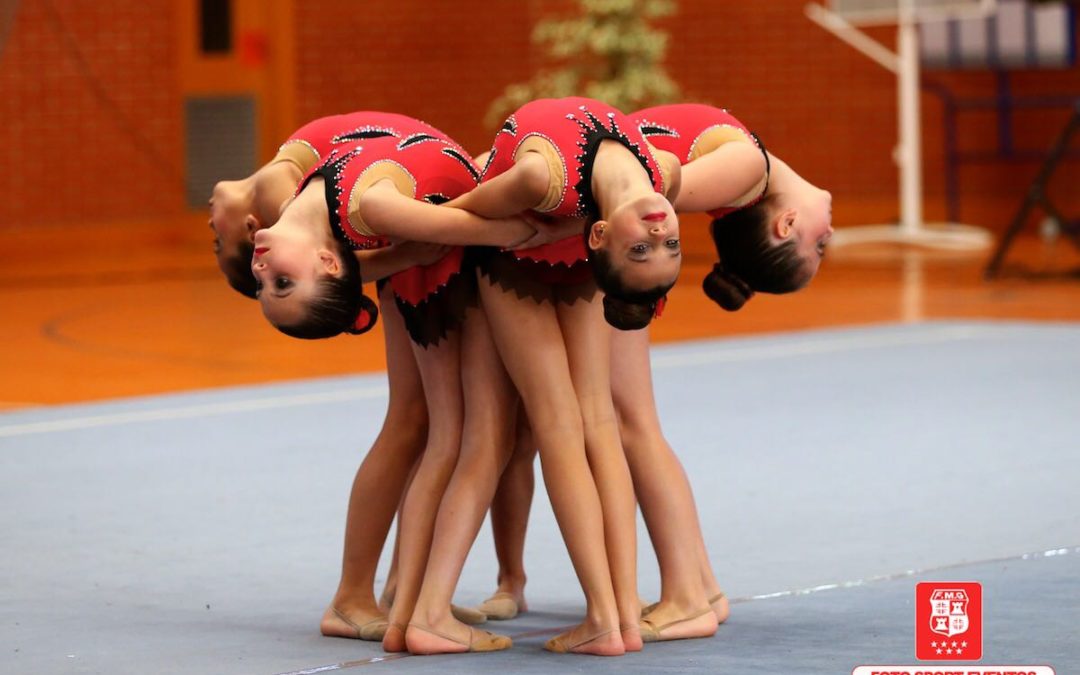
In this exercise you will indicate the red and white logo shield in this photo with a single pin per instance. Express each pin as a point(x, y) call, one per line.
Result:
point(949, 611)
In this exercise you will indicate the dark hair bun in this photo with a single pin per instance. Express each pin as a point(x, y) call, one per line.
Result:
point(726, 289)
point(628, 315)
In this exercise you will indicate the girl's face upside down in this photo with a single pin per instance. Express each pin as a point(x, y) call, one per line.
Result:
point(641, 240)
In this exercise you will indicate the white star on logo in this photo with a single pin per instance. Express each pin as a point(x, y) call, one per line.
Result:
point(963, 644)
point(933, 644)
point(948, 651)
point(938, 651)
point(954, 644)
point(959, 651)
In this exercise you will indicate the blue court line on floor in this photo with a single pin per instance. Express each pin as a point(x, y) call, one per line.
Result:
point(193, 411)
point(826, 345)
point(725, 352)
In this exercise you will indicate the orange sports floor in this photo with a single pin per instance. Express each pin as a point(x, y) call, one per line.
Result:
point(125, 309)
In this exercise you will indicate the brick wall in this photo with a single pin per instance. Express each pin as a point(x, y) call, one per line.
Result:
point(779, 73)
point(441, 62)
point(826, 109)
point(816, 102)
point(90, 115)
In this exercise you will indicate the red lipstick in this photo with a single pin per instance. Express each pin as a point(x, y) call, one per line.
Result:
point(261, 249)
point(656, 217)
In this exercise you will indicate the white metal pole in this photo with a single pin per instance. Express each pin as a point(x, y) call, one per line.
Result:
point(841, 28)
point(909, 155)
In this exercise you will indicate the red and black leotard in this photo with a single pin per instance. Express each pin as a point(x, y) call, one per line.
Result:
point(425, 165)
point(690, 130)
point(567, 132)
point(312, 143)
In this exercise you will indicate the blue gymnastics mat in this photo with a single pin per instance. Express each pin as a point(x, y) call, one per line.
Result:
point(201, 532)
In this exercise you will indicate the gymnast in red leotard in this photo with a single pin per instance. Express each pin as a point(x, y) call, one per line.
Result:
point(578, 161)
point(360, 198)
point(238, 208)
point(366, 197)
point(770, 224)
point(579, 158)
point(770, 229)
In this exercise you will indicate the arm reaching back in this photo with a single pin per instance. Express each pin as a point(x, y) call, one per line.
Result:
point(519, 189)
point(379, 263)
point(388, 212)
point(723, 177)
